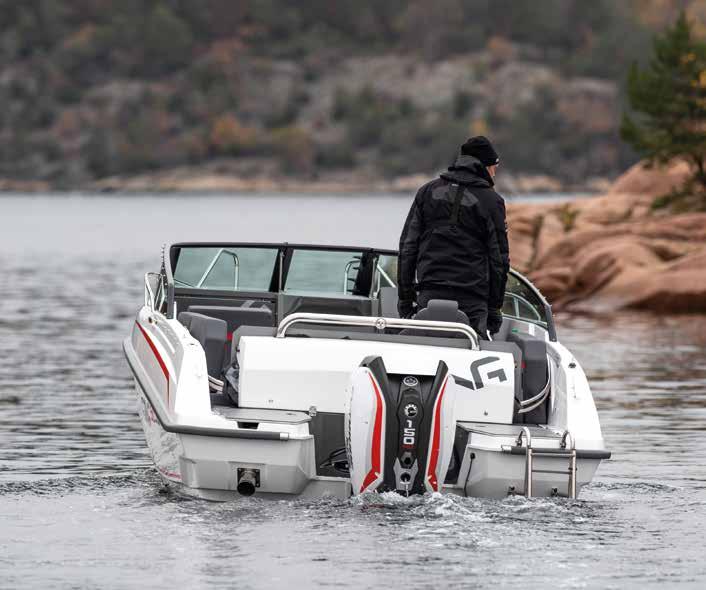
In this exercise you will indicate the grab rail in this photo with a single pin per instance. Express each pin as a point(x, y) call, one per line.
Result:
point(216, 258)
point(347, 271)
point(534, 402)
point(378, 323)
point(150, 297)
point(383, 274)
point(149, 294)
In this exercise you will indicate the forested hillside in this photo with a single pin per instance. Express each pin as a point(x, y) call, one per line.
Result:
point(97, 88)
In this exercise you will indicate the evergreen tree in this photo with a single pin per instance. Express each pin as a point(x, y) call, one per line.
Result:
point(668, 100)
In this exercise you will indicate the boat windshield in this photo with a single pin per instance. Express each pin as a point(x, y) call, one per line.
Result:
point(226, 268)
point(312, 270)
point(523, 301)
point(304, 270)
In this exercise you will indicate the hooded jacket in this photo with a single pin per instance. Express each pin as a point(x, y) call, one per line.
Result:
point(455, 237)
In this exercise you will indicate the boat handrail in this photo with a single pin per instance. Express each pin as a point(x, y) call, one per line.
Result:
point(150, 298)
point(347, 271)
point(534, 402)
point(214, 261)
point(379, 323)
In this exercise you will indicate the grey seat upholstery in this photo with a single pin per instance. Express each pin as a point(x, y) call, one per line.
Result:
point(236, 316)
point(440, 310)
point(289, 303)
point(211, 333)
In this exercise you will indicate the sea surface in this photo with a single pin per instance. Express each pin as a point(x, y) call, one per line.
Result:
point(81, 506)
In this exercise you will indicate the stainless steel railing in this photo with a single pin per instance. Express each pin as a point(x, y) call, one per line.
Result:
point(378, 323)
point(150, 296)
point(534, 402)
point(214, 261)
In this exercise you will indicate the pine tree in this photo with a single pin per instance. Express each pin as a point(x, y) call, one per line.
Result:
point(668, 100)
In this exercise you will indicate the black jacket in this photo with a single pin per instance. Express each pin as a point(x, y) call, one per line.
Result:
point(455, 237)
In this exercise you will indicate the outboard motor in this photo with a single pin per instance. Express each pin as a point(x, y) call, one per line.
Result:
point(399, 429)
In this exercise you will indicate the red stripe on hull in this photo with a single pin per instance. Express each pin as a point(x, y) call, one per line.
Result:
point(434, 455)
point(169, 474)
point(377, 434)
point(159, 358)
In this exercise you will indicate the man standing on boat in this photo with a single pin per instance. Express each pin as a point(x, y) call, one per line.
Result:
point(455, 241)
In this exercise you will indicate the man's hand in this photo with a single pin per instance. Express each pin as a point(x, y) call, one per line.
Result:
point(495, 320)
point(406, 308)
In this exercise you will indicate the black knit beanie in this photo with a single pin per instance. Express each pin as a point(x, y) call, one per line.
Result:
point(481, 148)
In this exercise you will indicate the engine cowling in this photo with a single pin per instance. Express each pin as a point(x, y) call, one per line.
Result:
point(399, 429)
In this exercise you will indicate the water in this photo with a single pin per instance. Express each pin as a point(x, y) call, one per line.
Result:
point(81, 506)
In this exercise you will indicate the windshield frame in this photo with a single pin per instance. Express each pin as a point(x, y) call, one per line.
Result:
point(285, 252)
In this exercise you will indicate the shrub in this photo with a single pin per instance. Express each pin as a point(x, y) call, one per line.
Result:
point(229, 136)
point(295, 148)
point(567, 216)
point(336, 155)
point(167, 39)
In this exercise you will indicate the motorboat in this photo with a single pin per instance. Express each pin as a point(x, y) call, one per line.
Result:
point(284, 370)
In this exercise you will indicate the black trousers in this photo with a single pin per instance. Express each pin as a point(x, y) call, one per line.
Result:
point(476, 310)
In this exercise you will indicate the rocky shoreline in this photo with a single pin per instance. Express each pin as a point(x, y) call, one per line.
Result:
point(614, 252)
point(229, 176)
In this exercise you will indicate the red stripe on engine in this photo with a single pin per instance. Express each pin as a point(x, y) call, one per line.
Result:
point(377, 434)
point(157, 356)
point(434, 456)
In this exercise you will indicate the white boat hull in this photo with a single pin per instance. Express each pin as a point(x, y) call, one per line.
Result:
point(205, 450)
point(207, 467)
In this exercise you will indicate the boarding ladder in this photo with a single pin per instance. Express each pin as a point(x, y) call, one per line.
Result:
point(567, 450)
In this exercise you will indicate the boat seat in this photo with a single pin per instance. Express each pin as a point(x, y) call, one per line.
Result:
point(236, 316)
point(290, 303)
point(211, 334)
point(439, 310)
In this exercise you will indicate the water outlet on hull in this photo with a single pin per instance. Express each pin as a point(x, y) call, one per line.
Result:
point(248, 481)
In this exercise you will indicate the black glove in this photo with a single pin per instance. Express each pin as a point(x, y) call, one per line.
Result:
point(406, 308)
point(495, 320)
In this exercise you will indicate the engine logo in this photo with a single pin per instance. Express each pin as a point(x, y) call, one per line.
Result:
point(411, 410)
point(410, 381)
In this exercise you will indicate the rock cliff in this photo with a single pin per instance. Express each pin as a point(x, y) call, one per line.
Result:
point(615, 251)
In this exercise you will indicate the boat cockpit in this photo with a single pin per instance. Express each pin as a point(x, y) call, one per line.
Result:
point(222, 292)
